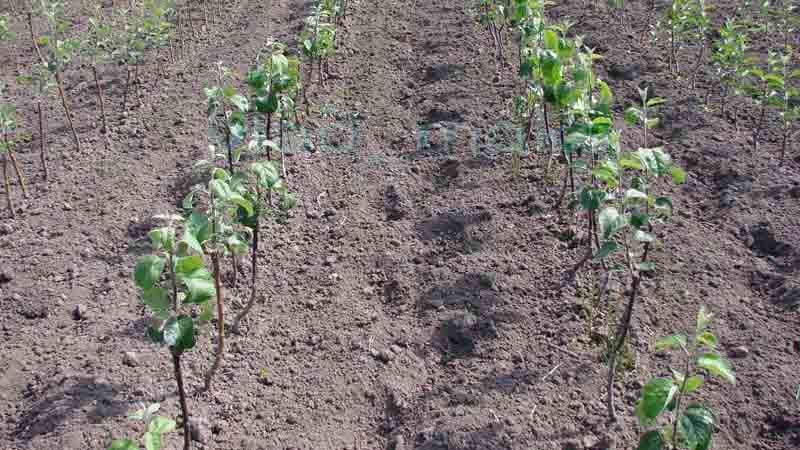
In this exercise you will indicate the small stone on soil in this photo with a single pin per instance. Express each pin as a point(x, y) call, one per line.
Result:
point(740, 351)
point(130, 359)
point(6, 229)
point(200, 430)
point(80, 312)
point(397, 443)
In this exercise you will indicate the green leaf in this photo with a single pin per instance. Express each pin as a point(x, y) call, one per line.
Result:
point(610, 221)
point(157, 299)
point(696, 426)
point(592, 198)
point(676, 341)
point(240, 201)
point(152, 441)
point(702, 320)
point(206, 313)
point(656, 395)
point(155, 333)
point(199, 286)
point(188, 264)
point(123, 444)
point(692, 383)
point(608, 248)
point(161, 425)
point(642, 236)
point(651, 441)
point(646, 266)
point(179, 333)
point(188, 201)
point(148, 271)
point(633, 196)
point(639, 219)
point(715, 364)
point(707, 338)
point(678, 174)
point(664, 205)
point(240, 102)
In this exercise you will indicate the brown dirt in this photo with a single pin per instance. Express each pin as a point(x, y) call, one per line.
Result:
point(415, 290)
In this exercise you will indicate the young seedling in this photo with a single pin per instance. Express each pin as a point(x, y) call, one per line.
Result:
point(682, 18)
point(625, 219)
point(728, 58)
point(156, 426)
point(169, 297)
point(214, 232)
point(42, 81)
point(493, 16)
point(229, 130)
point(57, 53)
point(187, 283)
point(97, 48)
point(690, 426)
point(8, 128)
point(262, 182)
point(274, 85)
point(317, 42)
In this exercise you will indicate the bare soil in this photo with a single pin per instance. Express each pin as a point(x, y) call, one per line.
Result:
point(415, 298)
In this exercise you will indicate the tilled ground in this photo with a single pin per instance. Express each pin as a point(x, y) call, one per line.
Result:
point(414, 299)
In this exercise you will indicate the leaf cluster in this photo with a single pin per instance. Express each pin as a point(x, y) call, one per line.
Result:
point(693, 423)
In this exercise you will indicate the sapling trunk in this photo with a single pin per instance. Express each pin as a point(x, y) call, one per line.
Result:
point(15, 162)
point(187, 437)
point(254, 265)
point(283, 155)
point(17, 169)
point(100, 99)
point(42, 140)
point(547, 135)
point(127, 88)
point(267, 130)
point(67, 112)
point(784, 141)
point(759, 124)
point(220, 321)
point(700, 58)
point(679, 399)
point(622, 332)
point(9, 201)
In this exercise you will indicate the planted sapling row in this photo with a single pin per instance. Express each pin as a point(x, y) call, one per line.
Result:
point(55, 52)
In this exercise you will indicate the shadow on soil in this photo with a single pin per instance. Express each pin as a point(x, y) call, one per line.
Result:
point(99, 400)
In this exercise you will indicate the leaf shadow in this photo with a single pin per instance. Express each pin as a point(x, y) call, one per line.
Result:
point(62, 400)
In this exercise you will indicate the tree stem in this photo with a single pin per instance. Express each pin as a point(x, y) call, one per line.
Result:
point(220, 320)
point(187, 437)
point(42, 140)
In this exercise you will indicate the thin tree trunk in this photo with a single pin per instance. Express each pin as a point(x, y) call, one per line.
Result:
point(622, 333)
point(67, 113)
point(267, 134)
point(17, 169)
point(127, 88)
point(220, 325)
point(9, 201)
point(253, 269)
point(283, 155)
point(187, 437)
point(547, 135)
point(42, 140)
point(104, 130)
